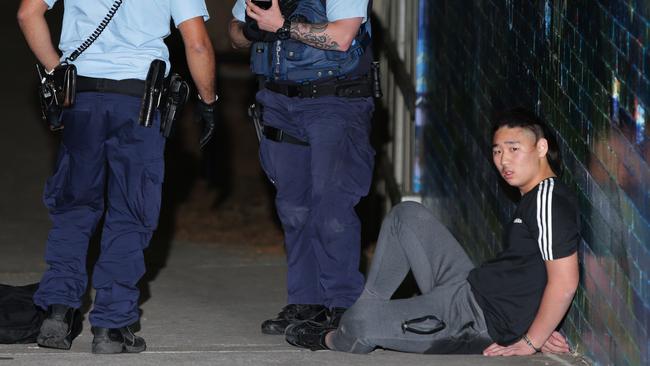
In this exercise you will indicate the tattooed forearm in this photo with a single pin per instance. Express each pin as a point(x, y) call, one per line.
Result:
point(314, 35)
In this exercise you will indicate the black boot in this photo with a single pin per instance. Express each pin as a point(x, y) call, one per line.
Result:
point(311, 335)
point(334, 317)
point(294, 313)
point(60, 327)
point(117, 340)
point(308, 334)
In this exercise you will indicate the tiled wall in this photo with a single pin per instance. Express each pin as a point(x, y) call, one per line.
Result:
point(584, 66)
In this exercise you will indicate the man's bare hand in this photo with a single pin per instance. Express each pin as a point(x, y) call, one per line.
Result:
point(517, 349)
point(556, 343)
point(267, 20)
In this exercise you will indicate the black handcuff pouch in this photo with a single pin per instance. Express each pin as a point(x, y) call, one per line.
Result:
point(57, 90)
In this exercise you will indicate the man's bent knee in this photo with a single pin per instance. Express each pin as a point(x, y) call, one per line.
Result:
point(409, 211)
point(356, 329)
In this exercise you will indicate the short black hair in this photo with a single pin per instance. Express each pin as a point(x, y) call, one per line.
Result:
point(521, 117)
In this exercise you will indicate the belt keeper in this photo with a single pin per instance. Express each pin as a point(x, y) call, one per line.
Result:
point(278, 135)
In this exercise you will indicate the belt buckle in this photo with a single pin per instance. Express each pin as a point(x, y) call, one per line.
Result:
point(307, 90)
point(295, 91)
point(100, 84)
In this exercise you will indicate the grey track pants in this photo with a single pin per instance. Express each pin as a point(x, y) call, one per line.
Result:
point(412, 239)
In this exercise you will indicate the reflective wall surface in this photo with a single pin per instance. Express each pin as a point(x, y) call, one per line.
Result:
point(584, 66)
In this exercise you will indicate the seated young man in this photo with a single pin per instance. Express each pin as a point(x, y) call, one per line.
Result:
point(510, 305)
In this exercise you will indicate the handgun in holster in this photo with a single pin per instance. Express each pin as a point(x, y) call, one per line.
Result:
point(176, 96)
point(154, 86)
point(255, 113)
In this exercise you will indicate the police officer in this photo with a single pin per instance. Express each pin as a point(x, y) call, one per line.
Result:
point(108, 162)
point(313, 60)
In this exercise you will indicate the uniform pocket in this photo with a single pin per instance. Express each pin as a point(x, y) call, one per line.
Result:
point(294, 50)
point(265, 160)
point(152, 180)
point(357, 163)
point(336, 55)
point(54, 187)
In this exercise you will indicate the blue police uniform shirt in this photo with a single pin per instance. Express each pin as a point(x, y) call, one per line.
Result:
point(336, 9)
point(132, 39)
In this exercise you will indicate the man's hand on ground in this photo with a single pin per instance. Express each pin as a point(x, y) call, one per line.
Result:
point(517, 349)
point(556, 343)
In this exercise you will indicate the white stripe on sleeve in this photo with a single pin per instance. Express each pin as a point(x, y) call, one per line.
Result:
point(545, 218)
point(550, 221)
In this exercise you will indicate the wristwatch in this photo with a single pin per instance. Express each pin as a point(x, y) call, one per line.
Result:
point(284, 32)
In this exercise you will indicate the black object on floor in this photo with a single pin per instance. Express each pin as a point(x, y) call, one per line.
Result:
point(20, 319)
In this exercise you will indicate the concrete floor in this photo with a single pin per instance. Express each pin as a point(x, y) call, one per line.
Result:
point(205, 302)
point(205, 308)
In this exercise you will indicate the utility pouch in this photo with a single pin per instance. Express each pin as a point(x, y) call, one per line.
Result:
point(261, 58)
point(56, 90)
point(153, 91)
point(176, 96)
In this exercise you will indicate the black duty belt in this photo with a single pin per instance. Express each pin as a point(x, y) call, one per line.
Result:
point(277, 135)
point(132, 87)
point(349, 89)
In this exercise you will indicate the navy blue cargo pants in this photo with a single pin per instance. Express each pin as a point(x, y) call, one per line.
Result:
point(107, 163)
point(317, 188)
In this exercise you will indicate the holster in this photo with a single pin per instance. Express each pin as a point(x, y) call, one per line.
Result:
point(270, 132)
point(255, 113)
point(56, 90)
point(154, 86)
point(176, 95)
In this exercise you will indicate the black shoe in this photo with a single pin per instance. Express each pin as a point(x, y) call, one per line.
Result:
point(117, 340)
point(294, 313)
point(334, 317)
point(308, 334)
point(60, 327)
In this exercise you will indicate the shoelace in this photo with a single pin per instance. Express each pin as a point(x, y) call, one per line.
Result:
point(288, 311)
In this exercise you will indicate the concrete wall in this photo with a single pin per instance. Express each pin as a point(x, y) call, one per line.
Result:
point(584, 66)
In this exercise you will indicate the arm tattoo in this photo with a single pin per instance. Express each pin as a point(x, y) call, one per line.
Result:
point(314, 35)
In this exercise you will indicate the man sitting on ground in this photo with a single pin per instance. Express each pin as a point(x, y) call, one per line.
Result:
point(510, 305)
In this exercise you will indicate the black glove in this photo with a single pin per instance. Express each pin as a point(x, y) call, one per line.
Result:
point(208, 116)
point(254, 34)
point(252, 31)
